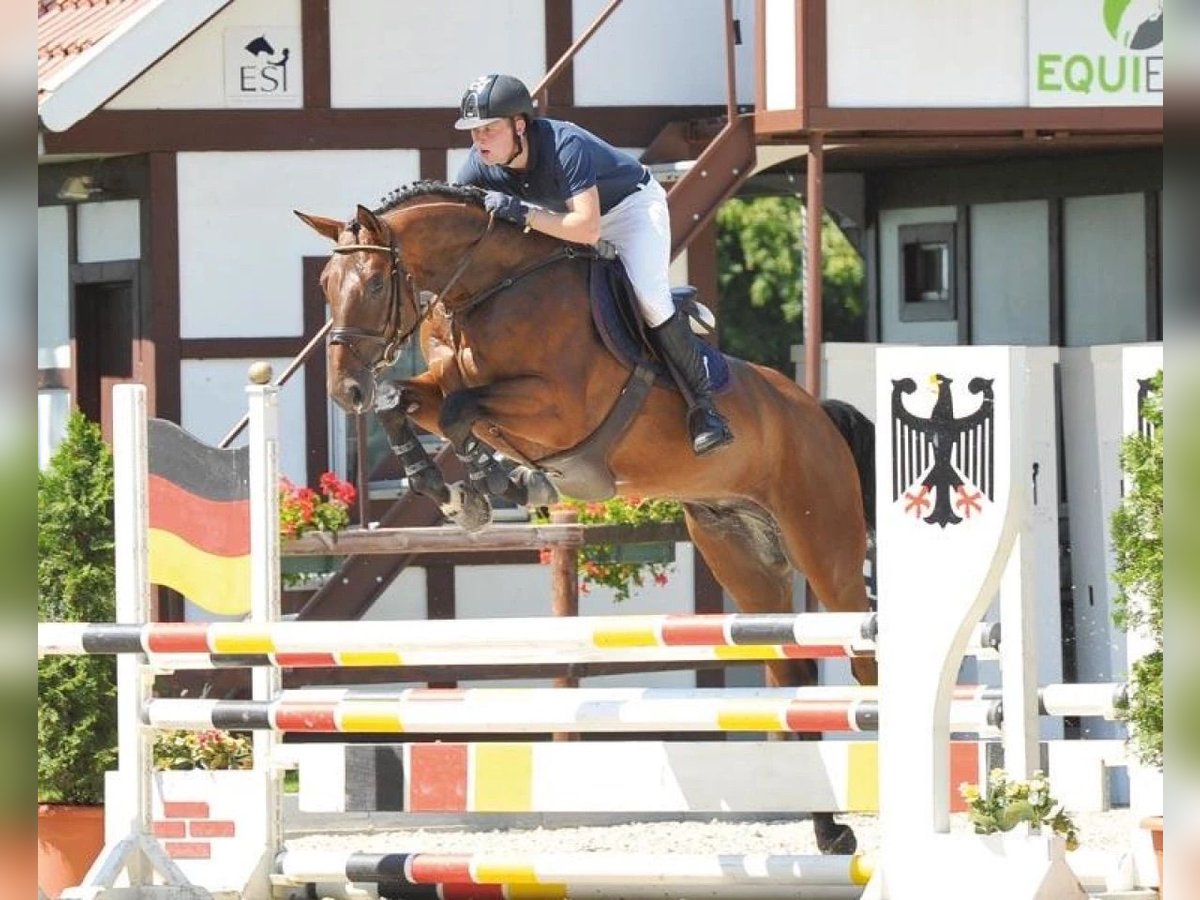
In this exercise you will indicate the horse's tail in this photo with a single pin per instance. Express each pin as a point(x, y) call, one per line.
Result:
point(859, 432)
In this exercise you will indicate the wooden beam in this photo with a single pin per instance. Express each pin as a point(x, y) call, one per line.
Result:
point(314, 28)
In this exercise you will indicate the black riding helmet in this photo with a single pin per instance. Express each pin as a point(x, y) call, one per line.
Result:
point(492, 97)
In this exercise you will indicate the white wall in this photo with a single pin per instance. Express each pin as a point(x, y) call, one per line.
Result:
point(781, 54)
point(661, 52)
point(404, 598)
point(1096, 384)
point(109, 231)
point(192, 76)
point(1104, 269)
point(213, 398)
point(932, 53)
point(648, 52)
point(53, 289)
point(1010, 273)
point(240, 247)
point(892, 329)
point(425, 53)
point(54, 407)
point(456, 156)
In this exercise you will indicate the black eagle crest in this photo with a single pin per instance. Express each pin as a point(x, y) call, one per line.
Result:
point(933, 456)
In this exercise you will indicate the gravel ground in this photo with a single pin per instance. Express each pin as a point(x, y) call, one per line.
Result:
point(1099, 832)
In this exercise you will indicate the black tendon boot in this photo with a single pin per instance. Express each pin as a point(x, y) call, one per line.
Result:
point(680, 351)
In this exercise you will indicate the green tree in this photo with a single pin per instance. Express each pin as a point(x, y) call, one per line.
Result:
point(761, 277)
point(1137, 536)
point(77, 716)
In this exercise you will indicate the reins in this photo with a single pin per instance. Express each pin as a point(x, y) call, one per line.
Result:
point(567, 251)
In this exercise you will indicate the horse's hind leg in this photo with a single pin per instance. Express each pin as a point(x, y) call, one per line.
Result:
point(830, 550)
point(741, 545)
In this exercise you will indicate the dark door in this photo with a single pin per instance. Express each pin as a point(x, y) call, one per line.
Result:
point(104, 335)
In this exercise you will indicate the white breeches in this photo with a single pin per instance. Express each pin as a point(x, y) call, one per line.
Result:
point(640, 228)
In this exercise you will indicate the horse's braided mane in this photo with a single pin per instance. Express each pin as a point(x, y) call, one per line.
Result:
point(407, 192)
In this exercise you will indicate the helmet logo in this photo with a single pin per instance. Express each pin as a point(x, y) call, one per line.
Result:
point(470, 105)
point(470, 101)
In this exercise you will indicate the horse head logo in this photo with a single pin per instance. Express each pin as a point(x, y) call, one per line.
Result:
point(1135, 24)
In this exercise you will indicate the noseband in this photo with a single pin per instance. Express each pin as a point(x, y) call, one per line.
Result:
point(390, 336)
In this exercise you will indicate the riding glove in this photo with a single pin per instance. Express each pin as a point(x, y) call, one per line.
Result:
point(505, 206)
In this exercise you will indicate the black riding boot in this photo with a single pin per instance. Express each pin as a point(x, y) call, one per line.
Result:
point(678, 348)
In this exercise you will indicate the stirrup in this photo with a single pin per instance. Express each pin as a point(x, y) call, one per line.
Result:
point(708, 429)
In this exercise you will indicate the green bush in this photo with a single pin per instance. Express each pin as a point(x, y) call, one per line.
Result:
point(1137, 535)
point(601, 565)
point(77, 714)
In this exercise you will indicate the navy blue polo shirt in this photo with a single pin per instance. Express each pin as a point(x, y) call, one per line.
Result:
point(564, 161)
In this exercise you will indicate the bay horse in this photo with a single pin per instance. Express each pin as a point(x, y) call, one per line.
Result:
point(516, 364)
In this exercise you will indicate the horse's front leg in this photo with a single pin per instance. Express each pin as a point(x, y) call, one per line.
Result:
point(392, 404)
point(398, 404)
point(420, 400)
point(460, 411)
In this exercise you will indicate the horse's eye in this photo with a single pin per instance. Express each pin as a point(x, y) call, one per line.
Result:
point(375, 286)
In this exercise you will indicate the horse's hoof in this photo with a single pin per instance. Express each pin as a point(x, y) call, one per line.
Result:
point(468, 508)
point(539, 490)
point(833, 837)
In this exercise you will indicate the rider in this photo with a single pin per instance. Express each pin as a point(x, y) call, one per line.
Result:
point(554, 177)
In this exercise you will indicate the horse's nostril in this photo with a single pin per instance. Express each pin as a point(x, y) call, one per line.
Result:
point(353, 395)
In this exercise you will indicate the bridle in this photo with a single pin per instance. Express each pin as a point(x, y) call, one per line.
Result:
point(390, 336)
point(350, 336)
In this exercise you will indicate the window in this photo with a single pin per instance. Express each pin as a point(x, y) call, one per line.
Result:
point(927, 273)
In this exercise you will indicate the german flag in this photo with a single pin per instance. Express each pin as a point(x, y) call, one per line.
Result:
point(199, 519)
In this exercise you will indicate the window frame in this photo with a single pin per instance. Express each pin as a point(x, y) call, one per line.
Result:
point(942, 310)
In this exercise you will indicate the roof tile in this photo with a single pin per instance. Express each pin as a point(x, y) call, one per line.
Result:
point(68, 28)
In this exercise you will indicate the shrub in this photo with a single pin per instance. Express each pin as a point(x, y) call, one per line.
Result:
point(77, 714)
point(1006, 804)
point(600, 564)
point(1137, 535)
point(210, 749)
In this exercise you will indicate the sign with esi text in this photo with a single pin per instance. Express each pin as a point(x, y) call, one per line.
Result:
point(262, 67)
point(1095, 52)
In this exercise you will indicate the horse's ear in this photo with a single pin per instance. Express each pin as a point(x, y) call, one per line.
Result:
point(329, 228)
point(370, 221)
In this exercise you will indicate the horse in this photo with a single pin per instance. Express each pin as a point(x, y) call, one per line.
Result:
point(515, 363)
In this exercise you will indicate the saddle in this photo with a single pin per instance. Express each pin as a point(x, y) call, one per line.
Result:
point(583, 471)
point(618, 321)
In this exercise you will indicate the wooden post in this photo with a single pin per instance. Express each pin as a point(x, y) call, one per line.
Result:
point(564, 574)
point(814, 208)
